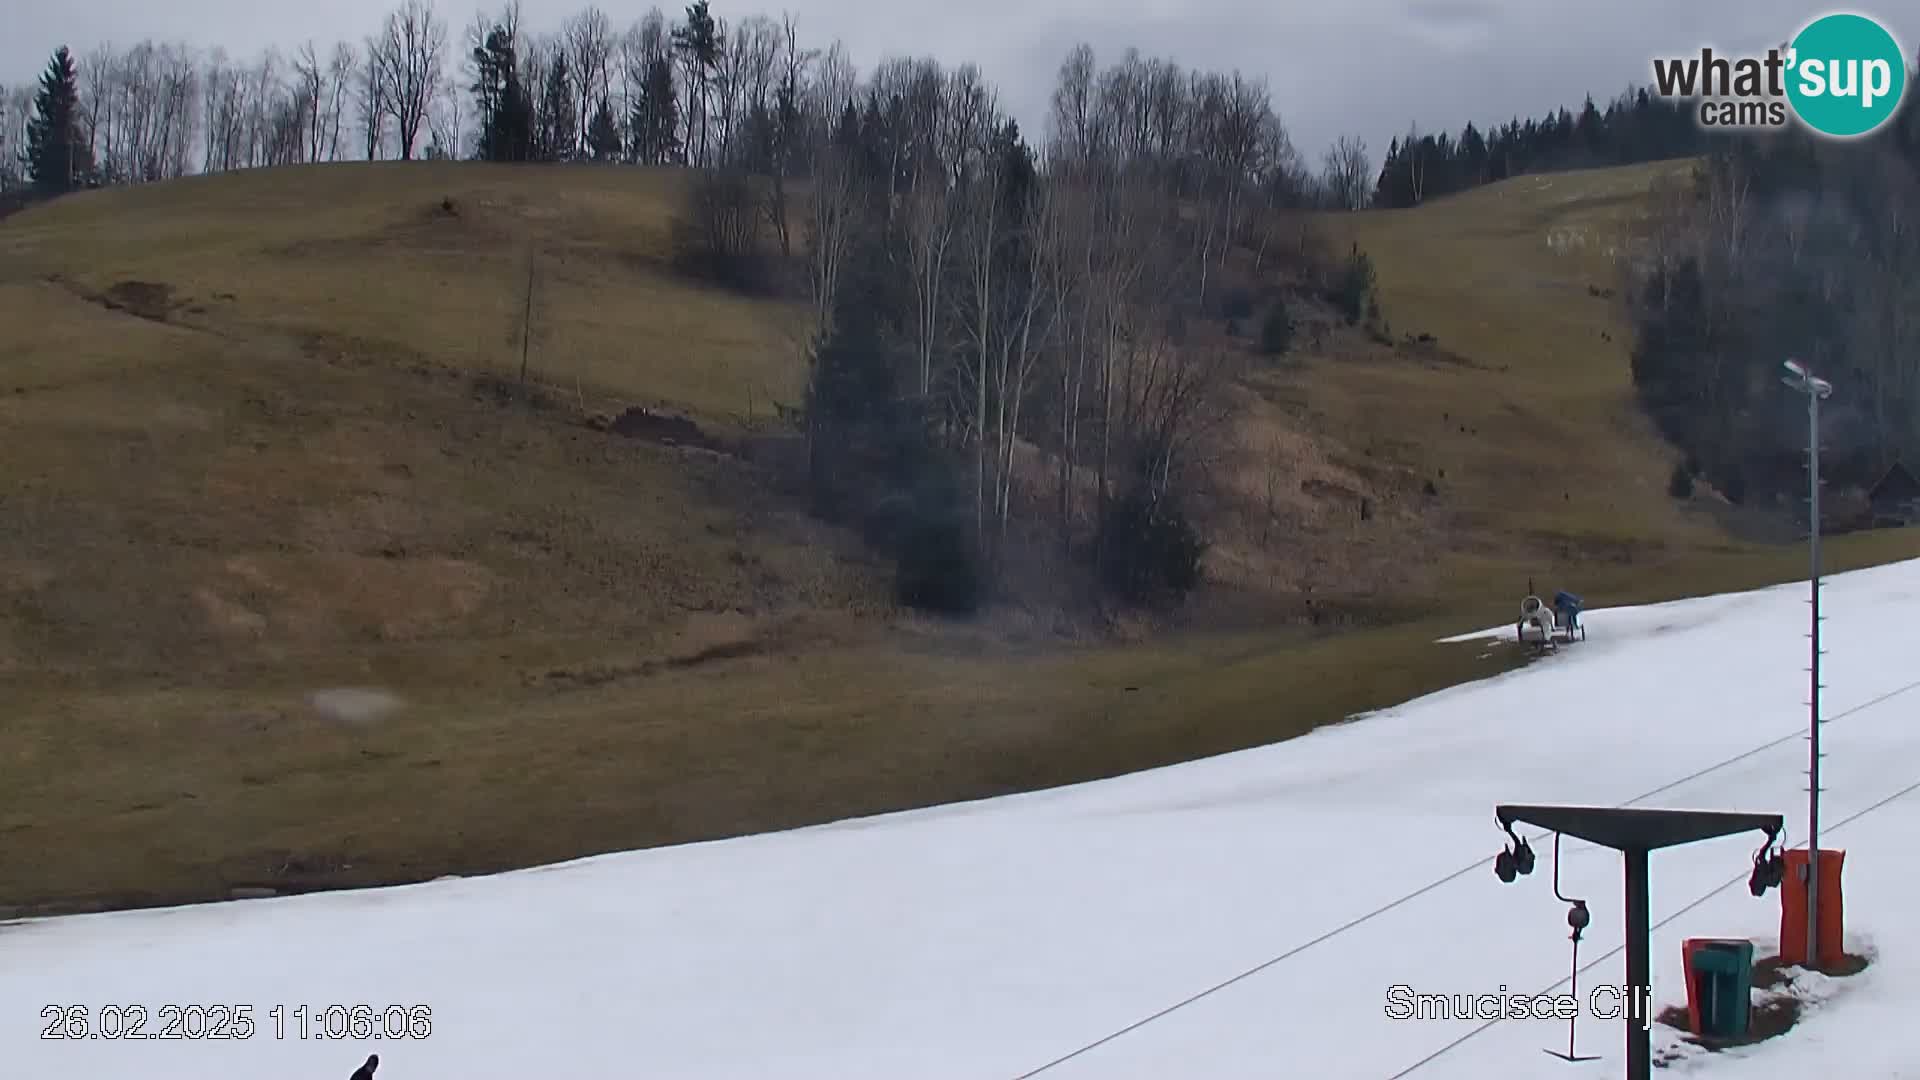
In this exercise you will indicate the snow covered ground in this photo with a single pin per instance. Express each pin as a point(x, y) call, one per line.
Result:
point(986, 940)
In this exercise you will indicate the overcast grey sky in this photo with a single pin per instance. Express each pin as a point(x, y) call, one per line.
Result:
point(1370, 67)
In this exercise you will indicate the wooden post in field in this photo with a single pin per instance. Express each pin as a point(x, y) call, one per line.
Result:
point(526, 324)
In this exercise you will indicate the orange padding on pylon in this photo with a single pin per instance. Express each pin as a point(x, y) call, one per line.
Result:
point(1793, 908)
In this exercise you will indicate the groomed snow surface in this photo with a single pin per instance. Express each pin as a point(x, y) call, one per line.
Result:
point(986, 940)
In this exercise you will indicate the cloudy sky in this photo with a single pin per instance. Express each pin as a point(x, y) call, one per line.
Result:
point(1369, 67)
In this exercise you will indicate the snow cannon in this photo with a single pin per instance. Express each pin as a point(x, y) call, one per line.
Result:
point(1547, 626)
point(1535, 618)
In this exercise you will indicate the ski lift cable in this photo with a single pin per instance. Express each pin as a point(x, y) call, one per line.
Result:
point(1289, 954)
point(1799, 733)
point(1430, 886)
point(1618, 949)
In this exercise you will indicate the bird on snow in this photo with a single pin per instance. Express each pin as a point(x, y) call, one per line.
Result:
point(365, 1072)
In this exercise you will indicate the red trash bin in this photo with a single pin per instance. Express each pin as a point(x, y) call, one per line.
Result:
point(1687, 948)
point(1793, 908)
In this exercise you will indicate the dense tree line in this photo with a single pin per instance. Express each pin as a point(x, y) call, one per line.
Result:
point(1005, 358)
point(695, 90)
point(158, 111)
point(1785, 246)
point(1637, 126)
point(1003, 362)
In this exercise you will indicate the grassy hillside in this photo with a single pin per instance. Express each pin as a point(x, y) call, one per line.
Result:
point(406, 262)
point(293, 593)
point(1498, 439)
point(260, 423)
point(1521, 277)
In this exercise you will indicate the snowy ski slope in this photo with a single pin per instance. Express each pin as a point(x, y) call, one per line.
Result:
point(987, 940)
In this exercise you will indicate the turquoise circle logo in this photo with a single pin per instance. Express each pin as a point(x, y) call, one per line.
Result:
point(1846, 75)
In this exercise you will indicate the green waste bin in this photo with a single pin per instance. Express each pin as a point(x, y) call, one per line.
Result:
point(1723, 980)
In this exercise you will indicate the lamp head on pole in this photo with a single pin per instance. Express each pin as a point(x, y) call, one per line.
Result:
point(1806, 382)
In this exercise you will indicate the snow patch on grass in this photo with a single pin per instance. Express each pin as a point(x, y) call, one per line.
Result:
point(353, 705)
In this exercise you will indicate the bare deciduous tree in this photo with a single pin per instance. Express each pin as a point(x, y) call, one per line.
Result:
point(1070, 245)
point(180, 101)
point(310, 84)
point(1284, 189)
point(787, 133)
point(1347, 173)
point(629, 70)
point(262, 88)
point(408, 56)
point(340, 72)
point(1071, 120)
point(16, 109)
point(1033, 316)
point(224, 120)
point(445, 118)
point(835, 85)
point(1123, 107)
point(976, 311)
point(1167, 110)
point(1246, 114)
point(1413, 157)
point(372, 101)
point(743, 83)
point(143, 109)
point(590, 48)
point(931, 209)
point(836, 206)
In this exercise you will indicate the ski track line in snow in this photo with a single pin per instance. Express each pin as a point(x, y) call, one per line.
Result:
point(1475, 865)
point(1618, 949)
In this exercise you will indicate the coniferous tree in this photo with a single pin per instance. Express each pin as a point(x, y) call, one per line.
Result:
point(603, 134)
point(1634, 127)
point(58, 158)
point(506, 111)
point(699, 44)
point(757, 140)
point(1590, 132)
point(1386, 190)
point(1786, 246)
point(558, 130)
point(789, 122)
point(1473, 157)
point(655, 122)
point(1276, 332)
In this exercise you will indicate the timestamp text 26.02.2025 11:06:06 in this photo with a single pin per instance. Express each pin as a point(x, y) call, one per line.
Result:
point(231, 1022)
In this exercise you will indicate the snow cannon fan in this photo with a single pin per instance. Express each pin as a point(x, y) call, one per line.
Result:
point(1577, 917)
point(1515, 861)
point(1534, 612)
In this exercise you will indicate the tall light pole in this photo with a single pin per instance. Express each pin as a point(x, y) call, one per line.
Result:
point(1816, 389)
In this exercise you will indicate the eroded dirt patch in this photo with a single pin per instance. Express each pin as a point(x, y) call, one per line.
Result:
point(147, 299)
point(705, 637)
point(657, 427)
point(1781, 996)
